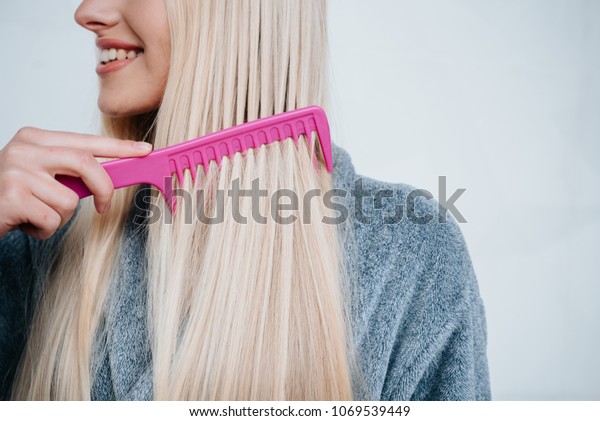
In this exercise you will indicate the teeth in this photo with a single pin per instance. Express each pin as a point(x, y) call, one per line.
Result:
point(112, 54)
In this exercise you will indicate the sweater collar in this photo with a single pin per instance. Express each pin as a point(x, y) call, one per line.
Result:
point(343, 169)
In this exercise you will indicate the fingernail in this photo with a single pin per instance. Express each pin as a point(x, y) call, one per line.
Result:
point(107, 207)
point(145, 146)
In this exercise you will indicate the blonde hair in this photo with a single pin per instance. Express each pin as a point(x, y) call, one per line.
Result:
point(255, 311)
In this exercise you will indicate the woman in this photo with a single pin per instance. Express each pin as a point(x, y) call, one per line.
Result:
point(121, 301)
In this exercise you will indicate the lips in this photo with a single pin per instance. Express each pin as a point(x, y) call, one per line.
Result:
point(108, 43)
point(113, 66)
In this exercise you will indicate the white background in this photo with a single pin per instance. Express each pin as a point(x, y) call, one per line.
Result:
point(502, 97)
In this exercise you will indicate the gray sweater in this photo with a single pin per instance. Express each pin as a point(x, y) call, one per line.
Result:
point(418, 321)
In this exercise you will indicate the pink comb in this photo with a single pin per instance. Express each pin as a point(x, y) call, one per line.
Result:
point(157, 167)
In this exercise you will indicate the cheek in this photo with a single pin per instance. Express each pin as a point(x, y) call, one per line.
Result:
point(157, 70)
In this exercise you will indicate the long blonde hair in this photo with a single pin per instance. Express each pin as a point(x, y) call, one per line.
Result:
point(254, 311)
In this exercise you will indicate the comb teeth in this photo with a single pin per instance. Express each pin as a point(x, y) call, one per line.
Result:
point(205, 149)
point(157, 167)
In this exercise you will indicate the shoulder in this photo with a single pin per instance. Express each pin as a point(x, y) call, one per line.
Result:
point(415, 246)
point(401, 229)
point(414, 284)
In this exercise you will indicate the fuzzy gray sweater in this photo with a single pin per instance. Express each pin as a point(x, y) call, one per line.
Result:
point(418, 321)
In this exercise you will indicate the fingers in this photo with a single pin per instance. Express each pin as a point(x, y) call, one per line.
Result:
point(41, 221)
point(32, 199)
point(74, 154)
point(33, 159)
point(36, 205)
point(82, 164)
point(100, 146)
point(59, 197)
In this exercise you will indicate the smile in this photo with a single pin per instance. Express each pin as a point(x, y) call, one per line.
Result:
point(113, 59)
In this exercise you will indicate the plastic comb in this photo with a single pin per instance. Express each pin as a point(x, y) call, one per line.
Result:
point(158, 167)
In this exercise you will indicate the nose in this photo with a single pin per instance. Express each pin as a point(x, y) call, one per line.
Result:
point(96, 15)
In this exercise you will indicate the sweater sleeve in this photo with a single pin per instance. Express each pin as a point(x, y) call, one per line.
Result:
point(446, 326)
point(24, 262)
point(457, 368)
point(16, 276)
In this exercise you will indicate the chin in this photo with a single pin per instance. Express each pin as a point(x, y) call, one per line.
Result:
point(117, 108)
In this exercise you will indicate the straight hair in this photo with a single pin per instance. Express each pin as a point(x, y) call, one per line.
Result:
point(236, 311)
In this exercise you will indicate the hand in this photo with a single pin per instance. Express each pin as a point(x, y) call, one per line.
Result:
point(30, 197)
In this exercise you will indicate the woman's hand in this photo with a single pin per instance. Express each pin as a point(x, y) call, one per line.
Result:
point(30, 197)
